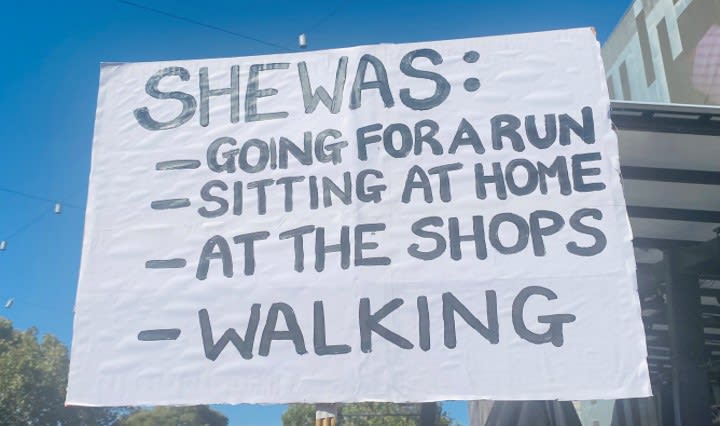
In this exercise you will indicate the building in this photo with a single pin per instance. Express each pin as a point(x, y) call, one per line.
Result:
point(666, 51)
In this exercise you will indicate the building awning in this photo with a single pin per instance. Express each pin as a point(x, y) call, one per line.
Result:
point(670, 162)
point(670, 158)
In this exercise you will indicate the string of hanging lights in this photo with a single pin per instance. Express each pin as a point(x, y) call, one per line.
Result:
point(57, 209)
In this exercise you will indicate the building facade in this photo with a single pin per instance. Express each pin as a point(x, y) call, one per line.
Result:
point(666, 51)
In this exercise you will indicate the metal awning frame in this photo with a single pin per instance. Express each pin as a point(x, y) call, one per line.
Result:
point(683, 332)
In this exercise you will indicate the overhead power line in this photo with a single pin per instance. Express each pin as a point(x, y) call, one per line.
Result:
point(202, 24)
point(27, 225)
point(45, 212)
point(36, 197)
point(322, 20)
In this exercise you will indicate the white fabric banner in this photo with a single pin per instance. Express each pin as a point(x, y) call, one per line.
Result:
point(414, 222)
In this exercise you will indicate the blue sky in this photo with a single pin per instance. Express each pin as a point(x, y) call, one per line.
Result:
point(48, 86)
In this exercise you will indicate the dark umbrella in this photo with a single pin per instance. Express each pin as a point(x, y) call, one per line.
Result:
point(533, 413)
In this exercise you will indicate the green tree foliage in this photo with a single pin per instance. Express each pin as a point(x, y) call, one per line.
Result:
point(33, 378)
point(363, 414)
point(299, 415)
point(200, 415)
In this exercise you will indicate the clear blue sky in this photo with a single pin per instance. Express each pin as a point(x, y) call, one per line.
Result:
point(51, 52)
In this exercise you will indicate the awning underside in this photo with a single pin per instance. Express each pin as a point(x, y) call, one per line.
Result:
point(670, 162)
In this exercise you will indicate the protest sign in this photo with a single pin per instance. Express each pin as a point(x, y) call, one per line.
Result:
point(417, 222)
